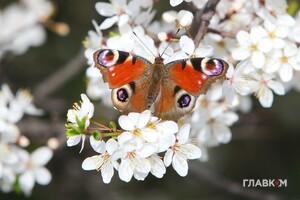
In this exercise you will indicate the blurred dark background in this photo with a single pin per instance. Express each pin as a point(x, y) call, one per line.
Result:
point(265, 142)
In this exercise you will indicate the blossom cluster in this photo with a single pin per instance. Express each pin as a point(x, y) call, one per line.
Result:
point(19, 169)
point(259, 39)
point(23, 25)
point(144, 145)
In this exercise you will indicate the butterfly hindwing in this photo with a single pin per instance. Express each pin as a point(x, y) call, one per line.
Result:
point(184, 82)
point(128, 76)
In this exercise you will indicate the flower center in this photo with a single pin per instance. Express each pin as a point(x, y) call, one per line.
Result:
point(137, 132)
point(253, 47)
point(284, 59)
point(100, 163)
point(131, 155)
point(211, 121)
point(221, 44)
point(151, 125)
point(272, 35)
point(176, 147)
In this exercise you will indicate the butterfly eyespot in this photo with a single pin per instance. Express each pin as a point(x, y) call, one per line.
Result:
point(121, 96)
point(108, 57)
point(212, 67)
point(184, 101)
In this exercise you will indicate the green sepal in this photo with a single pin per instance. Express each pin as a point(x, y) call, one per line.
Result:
point(113, 126)
point(97, 135)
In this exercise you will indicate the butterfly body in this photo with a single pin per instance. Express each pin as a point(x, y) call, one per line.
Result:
point(171, 89)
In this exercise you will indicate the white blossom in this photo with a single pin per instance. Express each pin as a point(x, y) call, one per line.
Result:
point(184, 18)
point(211, 121)
point(284, 61)
point(105, 162)
point(261, 41)
point(198, 3)
point(181, 151)
point(252, 45)
point(79, 117)
point(13, 107)
point(84, 111)
point(21, 27)
point(34, 170)
point(121, 12)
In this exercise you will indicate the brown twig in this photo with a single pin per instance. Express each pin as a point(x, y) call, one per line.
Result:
point(202, 20)
point(41, 129)
point(222, 33)
point(60, 77)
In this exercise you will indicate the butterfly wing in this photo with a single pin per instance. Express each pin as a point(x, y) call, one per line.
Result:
point(128, 76)
point(184, 81)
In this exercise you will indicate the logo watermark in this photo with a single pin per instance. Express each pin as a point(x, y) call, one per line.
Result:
point(275, 183)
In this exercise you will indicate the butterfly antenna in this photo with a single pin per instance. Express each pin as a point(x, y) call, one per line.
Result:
point(164, 51)
point(144, 45)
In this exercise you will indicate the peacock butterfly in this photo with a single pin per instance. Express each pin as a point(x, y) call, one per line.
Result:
point(172, 88)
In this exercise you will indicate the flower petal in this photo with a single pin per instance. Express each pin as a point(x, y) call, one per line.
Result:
point(124, 137)
point(168, 157)
point(266, 99)
point(41, 156)
point(105, 9)
point(180, 164)
point(187, 45)
point(107, 172)
point(277, 87)
point(191, 151)
point(175, 2)
point(97, 145)
point(42, 176)
point(74, 140)
point(147, 150)
point(26, 182)
point(243, 38)
point(158, 168)
point(109, 22)
point(258, 59)
point(286, 73)
point(167, 127)
point(222, 133)
point(91, 163)
point(125, 170)
point(126, 123)
point(185, 18)
point(111, 146)
point(183, 134)
point(143, 119)
point(240, 53)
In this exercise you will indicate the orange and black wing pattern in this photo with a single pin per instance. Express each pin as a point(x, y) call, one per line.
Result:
point(184, 82)
point(128, 76)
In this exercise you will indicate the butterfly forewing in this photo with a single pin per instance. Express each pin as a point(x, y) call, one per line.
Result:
point(128, 76)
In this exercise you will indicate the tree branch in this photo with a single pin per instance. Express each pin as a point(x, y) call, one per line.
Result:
point(202, 20)
point(60, 77)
